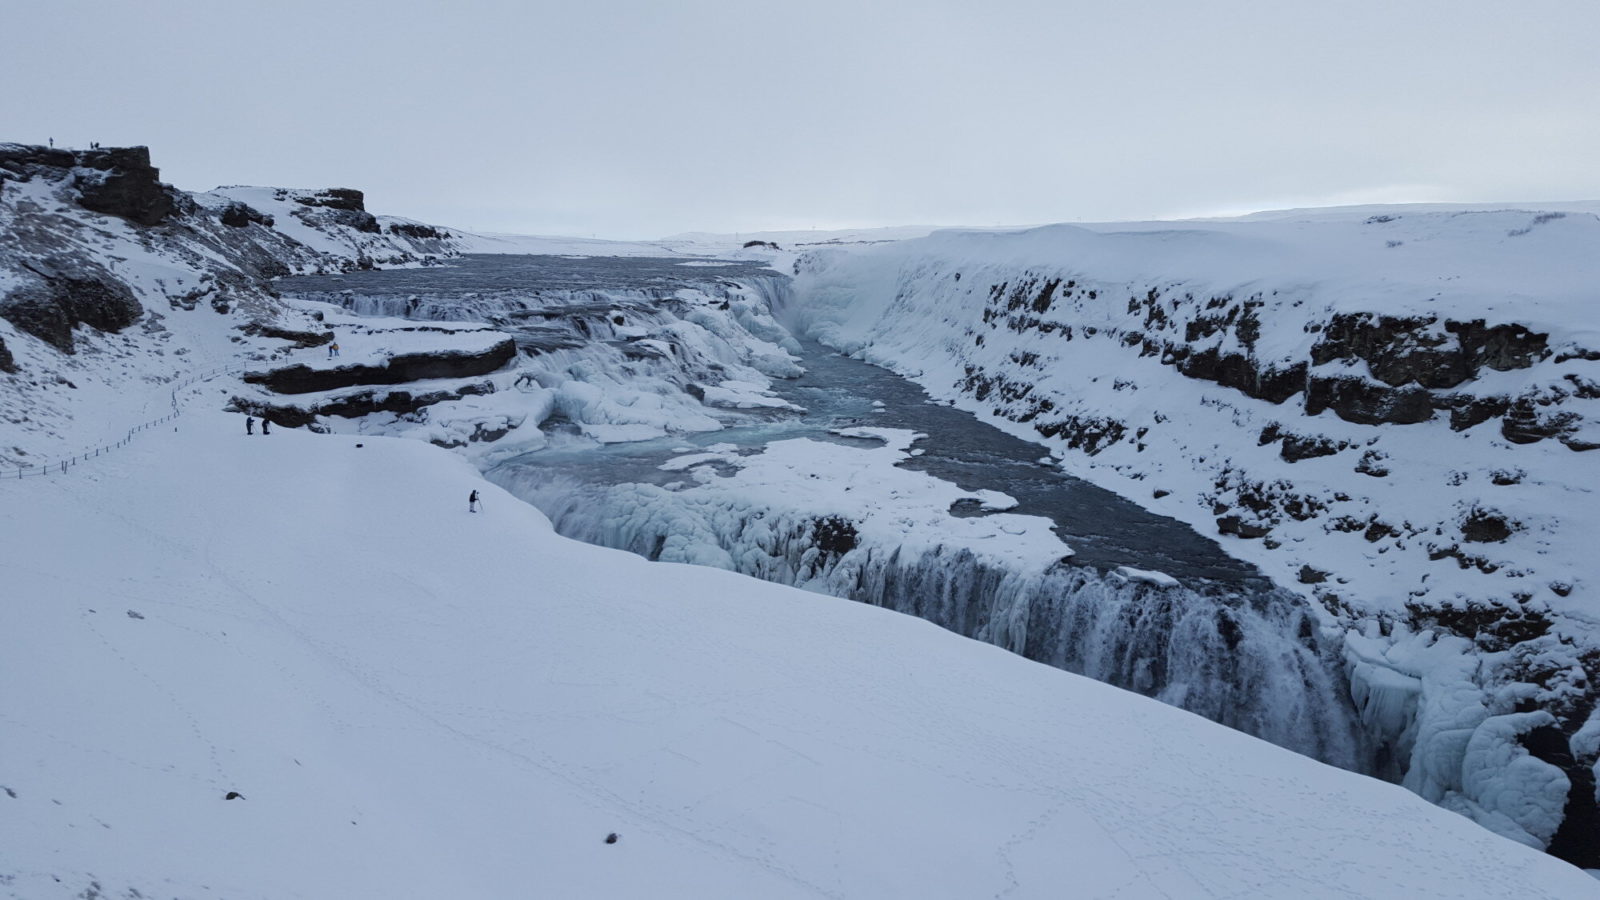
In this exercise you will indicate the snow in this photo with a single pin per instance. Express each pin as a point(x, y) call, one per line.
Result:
point(1509, 782)
point(1145, 576)
point(414, 700)
point(914, 307)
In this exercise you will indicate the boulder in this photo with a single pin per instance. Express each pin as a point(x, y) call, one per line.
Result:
point(57, 295)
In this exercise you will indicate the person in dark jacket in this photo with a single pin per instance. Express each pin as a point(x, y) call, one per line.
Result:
point(264, 423)
point(472, 502)
point(249, 424)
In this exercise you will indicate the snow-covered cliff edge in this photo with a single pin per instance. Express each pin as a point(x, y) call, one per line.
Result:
point(1394, 411)
point(113, 284)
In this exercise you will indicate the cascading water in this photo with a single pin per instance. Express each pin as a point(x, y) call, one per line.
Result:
point(1247, 657)
point(1226, 645)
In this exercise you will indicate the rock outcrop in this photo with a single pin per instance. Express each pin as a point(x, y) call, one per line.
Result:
point(59, 293)
point(357, 404)
point(397, 369)
point(120, 181)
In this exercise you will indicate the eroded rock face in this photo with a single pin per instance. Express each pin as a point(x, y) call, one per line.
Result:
point(335, 198)
point(361, 403)
point(416, 230)
point(303, 339)
point(397, 369)
point(116, 181)
point(59, 294)
point(240, 215)
point(121, 182)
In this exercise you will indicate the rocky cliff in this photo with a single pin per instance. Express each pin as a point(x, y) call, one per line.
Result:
point(1395, 414)
point(98, 255)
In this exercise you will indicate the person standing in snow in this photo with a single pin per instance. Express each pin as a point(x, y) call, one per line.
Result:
point(249, 424)
point(264, 423)
point(472, 502)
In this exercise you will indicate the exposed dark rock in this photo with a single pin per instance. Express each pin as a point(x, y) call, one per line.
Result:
point(302, 379)
point(23, 161)
point(1492, 626)
point(1296, 447)
point(1486, 527)
point(1500, 347)
point(1090, 435)
point(120, 181)
point(355, 405)
point(117, 181)
point(1397, 351)
point(1308, 575)
point(304, 339)
point(417, 230)
point(1422, 351)
point(239, 215)
point(834, 535)
point(1365, 403)
point(334, 198)
point(1377, 531)
point(1237, 527)
point(1239, 372)
point(1371, 463)
point(61, 295)
point(1577, 840)
point(1466, 412)
point(1526, 422)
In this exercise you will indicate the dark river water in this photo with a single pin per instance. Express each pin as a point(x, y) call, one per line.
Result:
point(1102, 528)
point(1226, 644)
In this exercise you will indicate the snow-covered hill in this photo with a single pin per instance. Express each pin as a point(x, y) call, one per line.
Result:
point(407, 700)
point(115, 287)
point(1395, 411)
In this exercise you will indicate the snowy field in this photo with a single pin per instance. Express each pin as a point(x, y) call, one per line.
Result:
point(417, 701)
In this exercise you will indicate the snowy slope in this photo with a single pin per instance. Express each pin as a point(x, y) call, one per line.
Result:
point(418, 701)
point(103, 308)
point(1392, 410)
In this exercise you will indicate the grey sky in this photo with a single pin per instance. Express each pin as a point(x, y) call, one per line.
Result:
point(638, 119)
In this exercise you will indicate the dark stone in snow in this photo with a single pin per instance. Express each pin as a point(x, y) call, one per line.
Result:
point(1483, 527)
point(1309, 575)
point(301, 338)
point(1239, 528)
point(834, 535)
point(1366, 403)
point(415, 230)
point(1296, 448)
point(239, 215)
point(335, 198)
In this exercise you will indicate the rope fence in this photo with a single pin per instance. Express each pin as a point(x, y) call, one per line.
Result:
point(63, 465)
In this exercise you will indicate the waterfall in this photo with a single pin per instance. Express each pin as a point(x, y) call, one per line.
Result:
point(1251, 658)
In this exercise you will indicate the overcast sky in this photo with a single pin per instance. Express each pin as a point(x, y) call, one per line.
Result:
point(639, 119)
